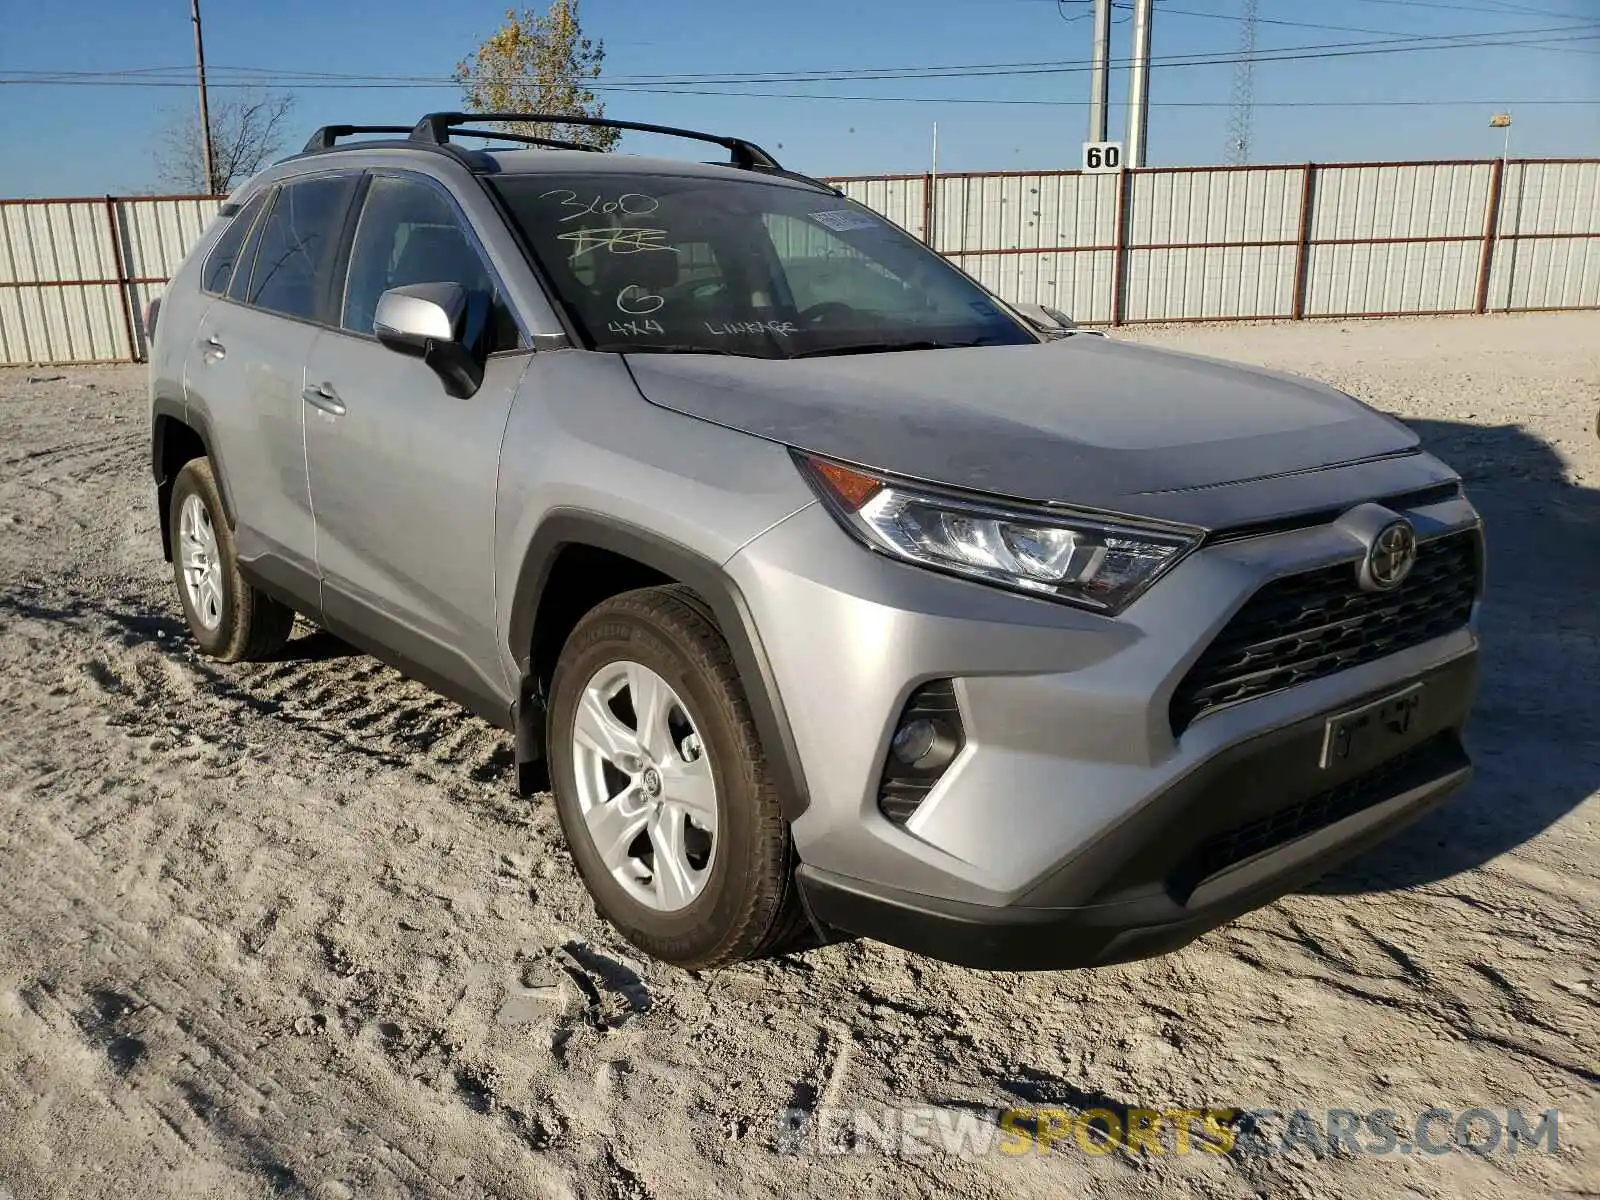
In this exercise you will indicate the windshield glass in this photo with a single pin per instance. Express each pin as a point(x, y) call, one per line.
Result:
point(676, 264)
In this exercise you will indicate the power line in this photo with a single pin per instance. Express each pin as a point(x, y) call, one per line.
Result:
point(1563, 101)
point(1515, 10)
point(259, 76)
point(1216, 16)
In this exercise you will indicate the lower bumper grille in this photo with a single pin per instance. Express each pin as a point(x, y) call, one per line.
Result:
point(1432, 759)
point(1320, 622)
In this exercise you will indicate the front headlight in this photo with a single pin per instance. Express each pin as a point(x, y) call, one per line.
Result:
point(1094, 563)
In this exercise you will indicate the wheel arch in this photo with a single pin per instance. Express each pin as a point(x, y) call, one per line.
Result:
point(178, 435)
point(641, 559)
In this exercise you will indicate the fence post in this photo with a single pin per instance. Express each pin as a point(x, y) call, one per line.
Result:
point(1302, 254)
point(1118, 240)
point(1491, 227)
point(927, 211)
point(122, 278)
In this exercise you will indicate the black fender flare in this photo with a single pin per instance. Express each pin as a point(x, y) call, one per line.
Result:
point(165, 411)
point(572, 526)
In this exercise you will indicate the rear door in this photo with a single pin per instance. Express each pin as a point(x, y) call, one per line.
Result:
point(246, 373)
point(403, 475)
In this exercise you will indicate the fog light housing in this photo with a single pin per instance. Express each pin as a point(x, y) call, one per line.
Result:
point(926, 740)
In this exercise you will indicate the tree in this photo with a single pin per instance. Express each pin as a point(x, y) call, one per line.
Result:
point(539, 62)
point(247, 133)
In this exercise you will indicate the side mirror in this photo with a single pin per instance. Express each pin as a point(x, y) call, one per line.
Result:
point(1051, 322)
point(427, 321)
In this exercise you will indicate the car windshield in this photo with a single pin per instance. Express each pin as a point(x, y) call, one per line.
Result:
point(680, 264)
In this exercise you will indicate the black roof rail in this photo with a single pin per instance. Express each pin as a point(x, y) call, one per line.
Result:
point(526, 139)
point(435, 129)
point(324, 138)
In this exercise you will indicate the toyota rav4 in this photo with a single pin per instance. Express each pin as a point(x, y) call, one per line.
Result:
point(828, 594)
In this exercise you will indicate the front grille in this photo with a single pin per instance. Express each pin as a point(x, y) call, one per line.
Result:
point(1320, 622)
point(1428, 760)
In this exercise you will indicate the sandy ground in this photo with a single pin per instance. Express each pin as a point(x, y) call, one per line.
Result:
point(283, 929)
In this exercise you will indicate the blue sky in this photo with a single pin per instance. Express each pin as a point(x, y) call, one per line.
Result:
point(95, 139)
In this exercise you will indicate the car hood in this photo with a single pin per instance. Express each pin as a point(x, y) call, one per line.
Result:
point(1087, 421)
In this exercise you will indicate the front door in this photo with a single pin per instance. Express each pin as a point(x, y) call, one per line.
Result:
point(402, 474)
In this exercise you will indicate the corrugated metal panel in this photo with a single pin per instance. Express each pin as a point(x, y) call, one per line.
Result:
point(55, 245)
point(61, 324)
point(903, 201)
point(1214, 206)
point(1551, 198)
point(1543, 273)
point(1429, 200)
point(156, 234)
point(55, 241)
point(1014, 212)
point(1405, 277)
point(75, 311)
point(1077, 284)
point(1553, 205)
point(1215, 283)
point(1197, 278)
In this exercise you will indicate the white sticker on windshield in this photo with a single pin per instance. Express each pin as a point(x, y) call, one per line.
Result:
point(841, 219)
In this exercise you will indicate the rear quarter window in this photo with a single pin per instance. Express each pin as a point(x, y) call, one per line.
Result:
point(224, 256)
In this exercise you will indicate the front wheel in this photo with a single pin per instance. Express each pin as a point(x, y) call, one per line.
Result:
point(229, 619)
point(661, 784)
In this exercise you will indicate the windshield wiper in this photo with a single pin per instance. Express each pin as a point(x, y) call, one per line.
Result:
point(882, 348)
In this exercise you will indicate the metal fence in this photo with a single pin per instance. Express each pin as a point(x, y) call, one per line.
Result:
point(1267, 242)
point(1160, 244)
point(76, 275)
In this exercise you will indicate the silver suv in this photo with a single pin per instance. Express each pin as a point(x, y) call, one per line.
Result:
point(828, 594)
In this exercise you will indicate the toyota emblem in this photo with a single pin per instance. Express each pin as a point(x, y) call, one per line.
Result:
point(1390, 556)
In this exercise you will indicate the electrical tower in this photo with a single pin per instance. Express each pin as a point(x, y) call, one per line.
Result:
point(1242, 110)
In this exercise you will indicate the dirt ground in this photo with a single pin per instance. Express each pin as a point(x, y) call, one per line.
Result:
point(284, 930)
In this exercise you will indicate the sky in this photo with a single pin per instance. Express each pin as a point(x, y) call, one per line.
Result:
point(1011, 90)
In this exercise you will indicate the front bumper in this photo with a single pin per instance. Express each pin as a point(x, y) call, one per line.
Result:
point(1076, 802)
point(1254, 822)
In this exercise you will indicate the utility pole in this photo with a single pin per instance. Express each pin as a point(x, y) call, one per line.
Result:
point(1099, 71)
point(205, 107)
point(1139, 85)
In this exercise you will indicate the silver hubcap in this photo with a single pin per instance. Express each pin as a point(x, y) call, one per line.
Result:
point(202, 565)
point(644, 785)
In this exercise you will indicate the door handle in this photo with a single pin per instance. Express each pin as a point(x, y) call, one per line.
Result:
point(323, 396)
point(214, 350)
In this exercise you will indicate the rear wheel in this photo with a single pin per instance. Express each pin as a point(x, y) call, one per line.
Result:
point(229, 619)
point(661, 784)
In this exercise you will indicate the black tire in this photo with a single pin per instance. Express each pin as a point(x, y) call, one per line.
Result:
point(252, 625)
point(749, 905)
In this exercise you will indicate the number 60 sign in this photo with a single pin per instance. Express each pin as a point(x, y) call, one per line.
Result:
point(1102, 157)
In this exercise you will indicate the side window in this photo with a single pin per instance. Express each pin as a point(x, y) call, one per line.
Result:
point(409, 233)
point(296, 246)
point(218, 272)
